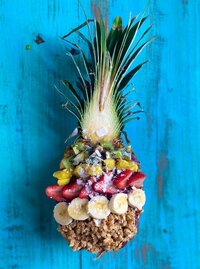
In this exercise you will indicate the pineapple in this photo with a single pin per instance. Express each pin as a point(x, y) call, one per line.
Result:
point(99, 181)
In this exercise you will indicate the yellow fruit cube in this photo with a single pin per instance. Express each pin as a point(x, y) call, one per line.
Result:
point(130, 165)
point(79, 170)
point(63, 182)
point(110, 163)
point(62, 174)
point(133, 166)
point(94, 170)
point(122, 164)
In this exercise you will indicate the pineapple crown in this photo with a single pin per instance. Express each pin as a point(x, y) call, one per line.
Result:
point(98, 99)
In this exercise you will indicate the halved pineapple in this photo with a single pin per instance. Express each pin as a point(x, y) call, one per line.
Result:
point(98, 171)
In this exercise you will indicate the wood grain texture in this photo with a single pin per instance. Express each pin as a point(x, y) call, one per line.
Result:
point(34, 127)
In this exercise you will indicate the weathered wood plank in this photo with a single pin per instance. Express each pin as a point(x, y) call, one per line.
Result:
point(33, 128)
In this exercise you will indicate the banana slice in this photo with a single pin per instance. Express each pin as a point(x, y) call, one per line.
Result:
point(98, 207)
point(61, 215)
point(137, 198)
point(77, 209)
point(118, 203)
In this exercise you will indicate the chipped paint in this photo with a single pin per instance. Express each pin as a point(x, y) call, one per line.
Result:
point(14, 228)
point(4, 113)
point(185, 2)
point(39, 40)
point(146, 248)
point(28, 47)
point(162, 166)
point(163, 161)
point(185, 7)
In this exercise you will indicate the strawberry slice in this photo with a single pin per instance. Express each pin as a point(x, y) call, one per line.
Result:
point(87, 190)
point(84, 194)
point(55, 192)
point(120, 180)
point(72, 191)
point(105, 185)
point(136, 180)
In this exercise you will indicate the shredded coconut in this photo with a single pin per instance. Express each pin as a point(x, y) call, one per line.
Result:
point(101, 132)
point(82, 172)
point(88, 188)
point(98, 152)
point(79, 181)
point(107, 181)
point(97, 222)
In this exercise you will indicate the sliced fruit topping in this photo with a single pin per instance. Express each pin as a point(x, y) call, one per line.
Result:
point(87, 190)
point(120, 180)
point(94, 170)
point(61, 215)
point(129, 148)
point(117, 154)
point(133, 166)
point(66, 163)
point(136, 180)
point(80, 146)
point(62, 174)
point(79, 158)
point(55, 192)
point(107, 145)
point(79, 171)
point(83, 194)
point(109, 163)
point(72, 190)
point(63, 182)
point(77, 209)
point(105, 184)
point(137, 198)
point(98, 207)
point(130, 165)
point(118, 203)
point(75, 149)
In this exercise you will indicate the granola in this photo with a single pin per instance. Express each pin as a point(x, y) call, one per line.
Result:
point(108, 234)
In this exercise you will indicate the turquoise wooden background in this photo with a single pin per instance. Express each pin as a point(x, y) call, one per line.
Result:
point(34, 127)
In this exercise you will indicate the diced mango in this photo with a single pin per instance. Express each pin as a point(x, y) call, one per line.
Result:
point(62, 174)
point(123, 164)
point(79, 170)
point(63, 182)
point(133, 166)
point(94, 170)
point(110, 163)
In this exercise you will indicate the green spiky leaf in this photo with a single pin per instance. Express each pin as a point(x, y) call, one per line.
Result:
point(102, 108)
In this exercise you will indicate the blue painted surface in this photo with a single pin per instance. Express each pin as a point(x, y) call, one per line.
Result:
point(34, 127)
